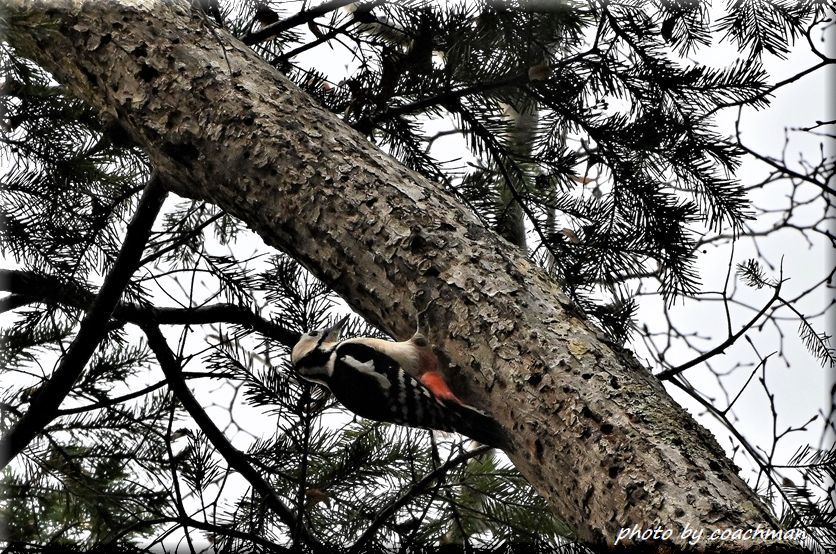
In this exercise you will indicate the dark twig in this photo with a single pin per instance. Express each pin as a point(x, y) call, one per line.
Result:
point(720, 348)
point(45, 405)
point(175, 479)
point(222, 530)
point(34, 287)
point(764, 465)
point(782, 167)
point(298, 19)
point(444, 98)
point(388, 511)
point(305, 47)
point(107, 403)
point(181, 240)
point(303, 469)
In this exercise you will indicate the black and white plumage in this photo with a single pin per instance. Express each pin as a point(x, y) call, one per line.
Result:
point(367, 376)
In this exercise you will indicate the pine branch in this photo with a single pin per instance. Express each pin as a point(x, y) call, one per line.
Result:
point(33, 287)
point(446, 97)
point(818, 344)
point(300, 18)
point(389, 510)
point(766, 92)
point(236, 459)
point(14, 301)
point(93, 327)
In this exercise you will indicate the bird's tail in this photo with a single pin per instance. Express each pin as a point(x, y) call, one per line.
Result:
point(477, 425)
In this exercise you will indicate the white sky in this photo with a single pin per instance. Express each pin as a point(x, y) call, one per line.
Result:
point(802, 387)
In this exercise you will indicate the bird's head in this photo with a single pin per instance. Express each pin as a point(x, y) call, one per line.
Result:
point(314, 348)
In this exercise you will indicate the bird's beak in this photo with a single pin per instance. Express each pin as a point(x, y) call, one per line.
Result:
point(333, 333)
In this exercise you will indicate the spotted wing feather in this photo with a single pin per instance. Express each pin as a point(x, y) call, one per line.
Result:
point(373, 385)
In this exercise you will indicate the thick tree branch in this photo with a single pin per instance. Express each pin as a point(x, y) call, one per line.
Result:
point(593, 431)
point(45, 405)
point(236, 460)
point(14, 301)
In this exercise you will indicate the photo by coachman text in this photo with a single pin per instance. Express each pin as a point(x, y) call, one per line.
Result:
point(694, 536)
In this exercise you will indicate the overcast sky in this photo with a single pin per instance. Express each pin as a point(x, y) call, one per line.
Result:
point(802, 385)
point(801, 388)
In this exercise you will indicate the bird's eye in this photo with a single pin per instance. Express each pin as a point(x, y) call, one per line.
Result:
point(313, 334)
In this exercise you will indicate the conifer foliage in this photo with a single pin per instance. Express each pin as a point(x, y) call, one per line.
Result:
point(588, 142)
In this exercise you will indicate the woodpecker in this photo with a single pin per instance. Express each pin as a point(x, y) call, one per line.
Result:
point(376, 379)
point(416, 357)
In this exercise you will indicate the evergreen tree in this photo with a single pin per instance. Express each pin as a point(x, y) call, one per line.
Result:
point(594, 153)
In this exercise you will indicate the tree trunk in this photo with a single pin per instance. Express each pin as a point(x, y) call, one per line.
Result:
point(594, 432)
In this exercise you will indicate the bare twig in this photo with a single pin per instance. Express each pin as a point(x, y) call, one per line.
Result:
point(720, 348)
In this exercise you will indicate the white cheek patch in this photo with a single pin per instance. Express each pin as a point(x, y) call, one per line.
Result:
point(368, 369)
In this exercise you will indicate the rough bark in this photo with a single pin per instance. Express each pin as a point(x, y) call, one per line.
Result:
point(594, 432)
